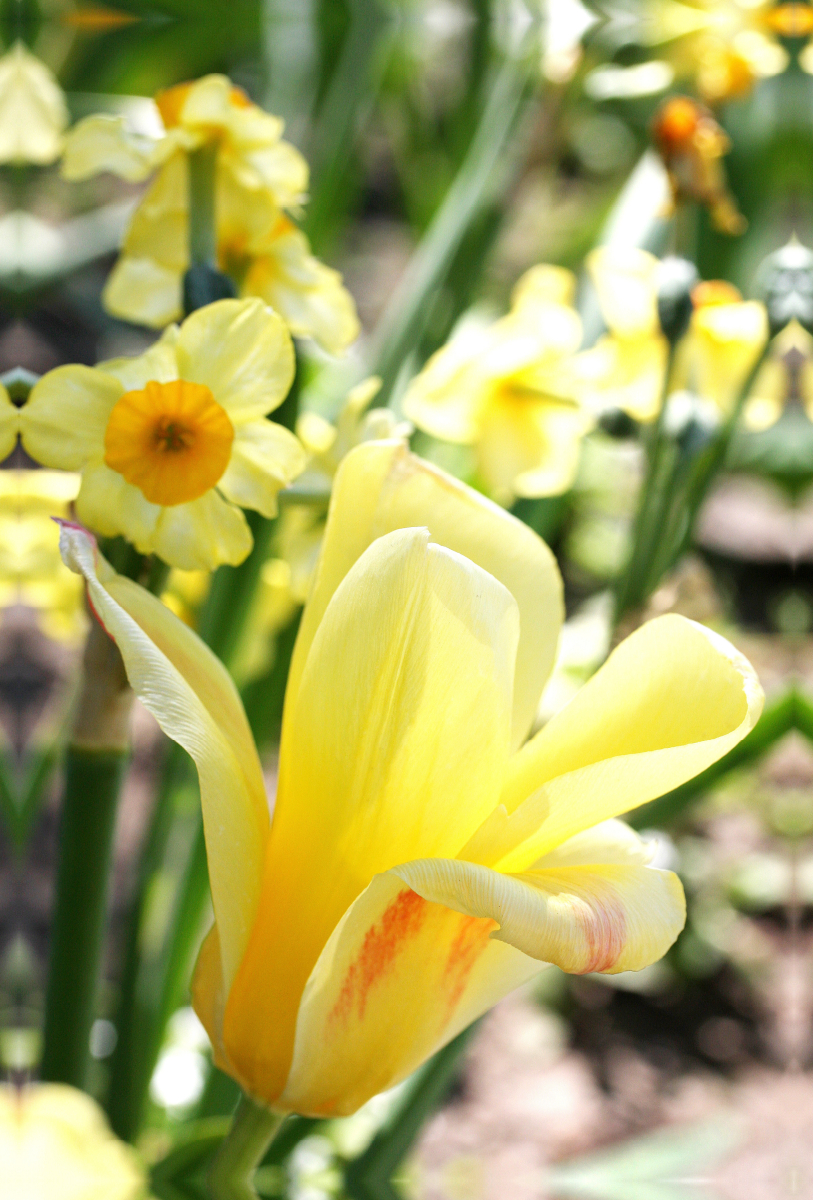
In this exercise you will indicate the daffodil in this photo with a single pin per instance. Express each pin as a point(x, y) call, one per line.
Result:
point(258, 245)
point(423, 860)
point(55, 1142)
point(33, 112)
point(508, 391)
point(257, 177)
point(31, 570)
point(173, 443)
point(625, 368)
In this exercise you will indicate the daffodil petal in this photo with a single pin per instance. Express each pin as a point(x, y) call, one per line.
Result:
point(529, 448)
point(379, 487)
point(109, 505)
point(9, 424)
point(202, 534)
point(399, 978)
point(399, 756)
point(242, 351)
point(604, 917)
point(265, 457)
point(64, 419)
point(104, 143)
point(191, 695)
point(159, 363)
point(670, 700)
point(624, 279)
point(143, 291)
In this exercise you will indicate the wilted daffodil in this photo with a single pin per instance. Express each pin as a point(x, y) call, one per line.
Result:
point(55, 1143)
point(692, 145)
point(258, 246)
point(508, 391)
point(33, 112)
point(625, 368)
point(173, 443)
point(257, 177)
point(421, 861)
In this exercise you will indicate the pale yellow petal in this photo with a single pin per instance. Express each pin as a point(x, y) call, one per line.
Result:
point(379, 487)
point(104, 143)
point(109, 505)
point(9, 424)
point(265, 457)
point(191, 695)
point(529, 447)
point(202, 534)
point(398, 979)
point(544, 284)
point(33, 112)
point(624, 278)
point(144, 292)
point(670, 700)
point(405, 749)
point(160, 363)
point(722, 347)
point(63, 421)
point(625, 373)
point(280, 169)
point(242, 351)
point(600, 917)
point(446, 397)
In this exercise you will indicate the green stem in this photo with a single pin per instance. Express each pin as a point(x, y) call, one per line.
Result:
point(92, 782)
point(202, 239)
point(241, 1151)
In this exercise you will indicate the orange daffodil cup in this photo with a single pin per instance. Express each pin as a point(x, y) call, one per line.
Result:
point(423, 858)
point(173, 443)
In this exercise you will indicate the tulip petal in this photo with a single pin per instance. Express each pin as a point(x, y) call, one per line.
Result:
point(191, 695)
point(670, 700)
point(397, 745)
point(379, 487)
point(64, 419)
point(264, 458)
point(398, 979)
point(242, 351)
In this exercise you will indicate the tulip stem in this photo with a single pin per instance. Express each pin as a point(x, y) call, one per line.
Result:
point(242, 1150)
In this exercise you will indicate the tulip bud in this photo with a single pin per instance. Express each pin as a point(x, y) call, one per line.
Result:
point(786, 280)
point(675, 279)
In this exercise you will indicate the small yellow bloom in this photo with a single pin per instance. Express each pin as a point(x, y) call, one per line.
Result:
point(625, 368)
point(33, 113)
point(422, 861)
point(171, 442)
point(258, 245)
point(55, 1143)
point(31, 570)
point(508, 391)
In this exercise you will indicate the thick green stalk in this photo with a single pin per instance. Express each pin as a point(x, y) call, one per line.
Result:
point(202, 237)
point(241, 1151)
point(95, 762)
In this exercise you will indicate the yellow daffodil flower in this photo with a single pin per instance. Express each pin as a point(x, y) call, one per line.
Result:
point(422, 861)
point(724, 45)
point(31, 570)
point(257, 177)
point(170, 443)
point(625, 368)
point(55, 1142)
point(33, 112)
point(508, 391)
point(258, 245)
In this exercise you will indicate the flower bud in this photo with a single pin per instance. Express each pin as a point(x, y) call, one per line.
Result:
point(786, 282)
point(676, 277)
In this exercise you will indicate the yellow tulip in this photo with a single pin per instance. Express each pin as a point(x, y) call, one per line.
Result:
point(422, 861)
point(507, 390)
point(626, 366)
point(170, 443)
point(33, 112)
point(54, 1142)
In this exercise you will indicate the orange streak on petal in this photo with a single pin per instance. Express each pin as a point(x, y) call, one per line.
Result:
point(470, 942)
